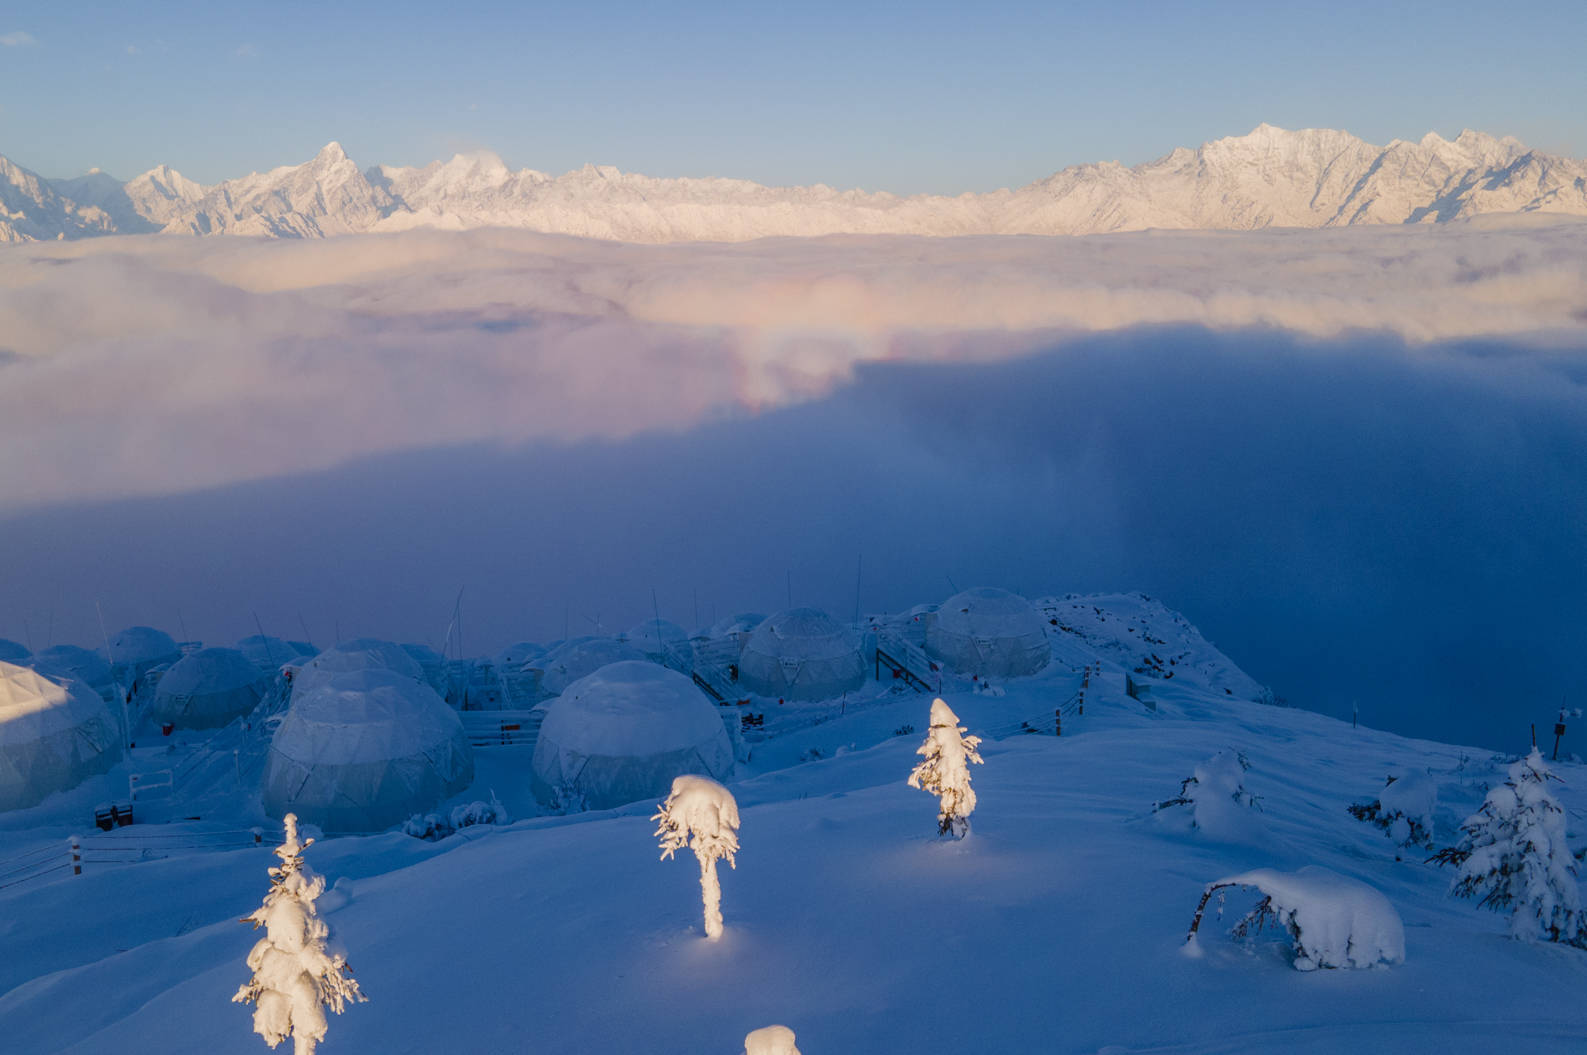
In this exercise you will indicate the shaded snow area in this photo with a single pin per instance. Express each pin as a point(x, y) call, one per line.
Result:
point(1058, 925)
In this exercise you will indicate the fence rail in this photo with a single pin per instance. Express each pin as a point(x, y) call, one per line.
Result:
point(124, 847)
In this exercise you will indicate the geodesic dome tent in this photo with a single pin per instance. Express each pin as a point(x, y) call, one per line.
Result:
point(432, 663)
point(139, 649)
point(208, 689)
point(270, 653)
point(988, 632)
point(84, 664)
point(363, 750)
point(53, 735)
point(361, 653)
point(513, 657)
point(623, 733)
point(801, 654)
point(575, 658)
point(735, 625)
point(14, 652)
point(662, 641)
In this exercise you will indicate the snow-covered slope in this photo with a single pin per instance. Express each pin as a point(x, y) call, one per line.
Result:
point(1269, 178)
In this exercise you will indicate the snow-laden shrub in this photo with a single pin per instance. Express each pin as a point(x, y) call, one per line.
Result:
point(1216, 796)
point(433, 826)
point(770, 1040)
point(294, 977)
point(1403, 809)
point(945, 770)
point(1332, 920)
point(1512, 856)
point(701, 810)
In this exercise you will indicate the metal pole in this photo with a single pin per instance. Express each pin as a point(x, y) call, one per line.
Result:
point(77, 857)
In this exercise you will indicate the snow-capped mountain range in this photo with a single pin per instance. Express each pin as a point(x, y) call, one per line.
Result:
point(1269, 178)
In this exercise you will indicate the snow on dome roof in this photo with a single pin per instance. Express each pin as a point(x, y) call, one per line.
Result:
point(623, 733)
point(634, 707)
point(659, 637)
point(801, 654)
point(514, 656)
point(143, 646)
point(742, 623)
point(271, 653)
point(365, 749)
point(85, 664)
point(432, 663)
point(985, 630)
point(53, 734)
point(573, 659)
point(207, 689)
point(13, 652)
point(361, 653)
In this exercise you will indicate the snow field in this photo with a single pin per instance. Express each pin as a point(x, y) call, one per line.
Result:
point(1055, 926)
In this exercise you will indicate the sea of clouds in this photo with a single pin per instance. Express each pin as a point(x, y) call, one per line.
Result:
point(1357, 458)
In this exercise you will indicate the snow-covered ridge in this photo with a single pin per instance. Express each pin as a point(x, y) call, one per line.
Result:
point(1270, 178)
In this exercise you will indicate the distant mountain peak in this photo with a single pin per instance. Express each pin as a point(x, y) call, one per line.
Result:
point(1268, 177)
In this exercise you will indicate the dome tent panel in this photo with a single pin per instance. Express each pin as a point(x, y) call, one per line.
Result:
point(515, 656)
point(579, 656)
point(622, 733)
point(271, 653)
point(801, 654)
point(139, 649)
point(361, 653)
point(433, 664)
point(84, 664)
point(662, 641)
point(54, 734)
point(208, 689)
point(364, 750)
point(988, 632)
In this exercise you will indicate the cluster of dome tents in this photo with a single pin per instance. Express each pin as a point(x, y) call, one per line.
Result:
point(367, 733)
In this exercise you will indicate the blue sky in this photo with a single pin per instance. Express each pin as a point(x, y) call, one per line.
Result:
point(919, 97)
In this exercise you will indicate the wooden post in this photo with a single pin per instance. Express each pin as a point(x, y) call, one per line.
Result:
point(1058, 722)
point(77, 857)
point(258, 837)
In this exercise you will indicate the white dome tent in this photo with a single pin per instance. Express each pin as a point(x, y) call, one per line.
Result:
point(433, 664)
point(271, 653)
point(575, 658)
point(363, 750)
point(84, 664)
point(662, 641)
point(515, 657)
point(53, 735)
point(801, 654)
point(361, 653)
point(735, 626)
point(138, 649)
point(14, 652)
point(623, 733)
point(990, 633)
point(208, 689)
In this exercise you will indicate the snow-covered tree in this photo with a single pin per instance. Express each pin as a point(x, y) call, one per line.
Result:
point(1512, 855)
point(294, 977)
point(1216, 795)
point(701, 810)
point(1403, 809)
point(945, 771)
point(770, 1040)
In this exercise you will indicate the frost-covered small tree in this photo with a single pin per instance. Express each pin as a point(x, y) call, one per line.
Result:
point(1512, 855)
point(294, 977)
point(770, 1040)
point(1403, 809)
point(702, 815)
point(1216, 795)
point(945, 770)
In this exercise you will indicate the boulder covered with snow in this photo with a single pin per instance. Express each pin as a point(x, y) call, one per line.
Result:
point(1333, 920)
point(802, 654)
point(579, 656)
point(207, 689)
point(363, 750)
point(623, 733)
point(54, 733)
point(988, 632)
